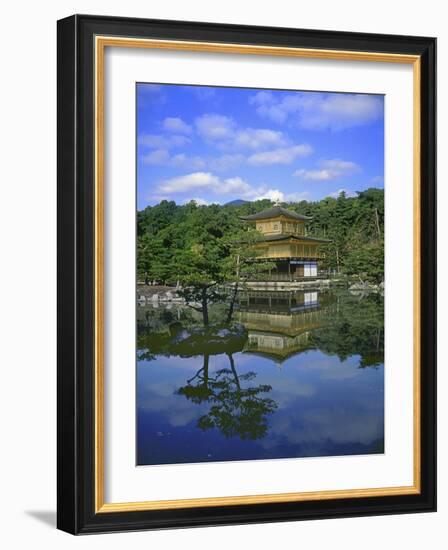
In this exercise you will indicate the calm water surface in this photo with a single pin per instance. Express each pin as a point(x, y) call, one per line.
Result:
point(295, 375)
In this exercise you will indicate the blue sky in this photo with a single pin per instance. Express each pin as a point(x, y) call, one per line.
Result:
point(214, 144)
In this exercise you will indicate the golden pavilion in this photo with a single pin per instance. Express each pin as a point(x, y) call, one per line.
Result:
point(286, 243)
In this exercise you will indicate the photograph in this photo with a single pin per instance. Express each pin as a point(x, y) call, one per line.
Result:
point(259, 274)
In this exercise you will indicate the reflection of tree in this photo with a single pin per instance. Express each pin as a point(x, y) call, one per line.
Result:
point(191, 342)
point(160, 320)
point(339, 324)
point(357, 329)
point(234, 409)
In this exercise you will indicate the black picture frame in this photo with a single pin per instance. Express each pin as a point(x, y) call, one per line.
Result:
point(76, 255)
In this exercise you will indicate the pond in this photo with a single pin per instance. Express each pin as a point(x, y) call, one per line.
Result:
point(295, 374)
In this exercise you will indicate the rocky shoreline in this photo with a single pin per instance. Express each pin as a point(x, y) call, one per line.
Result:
point(364, 287)
point(155, 294)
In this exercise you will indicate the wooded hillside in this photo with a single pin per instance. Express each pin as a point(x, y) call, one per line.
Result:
point(197, 243)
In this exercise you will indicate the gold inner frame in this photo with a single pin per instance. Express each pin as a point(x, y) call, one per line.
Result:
point(101, 42)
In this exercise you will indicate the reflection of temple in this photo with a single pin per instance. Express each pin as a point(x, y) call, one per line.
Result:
point(279, 323)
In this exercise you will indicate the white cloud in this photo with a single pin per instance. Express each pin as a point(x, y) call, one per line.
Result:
point(215, 127)
point(258, 138)
point(298, 196)
point(196, 180)
point(176, 125)
point(162, 157)
point(262, 192)
point(341, 111)
point(277, 195)
point(159, 141)
point(203, 93)
point(184, 161)
point(341, 165)
point(348, 193)
point(235, 185)
point(328, 170)
point(276, 110)
point(150, 94)
point(273, 195)
point(284, 155)
point(211, 183)
point(317, 175)
point(158, 156)
point(317, 111)
point(262, 98)
point(223, 132)
point(226, 162)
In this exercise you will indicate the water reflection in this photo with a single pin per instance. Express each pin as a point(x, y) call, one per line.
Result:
point(280, 323)
point(218, 394)
point(236, 407)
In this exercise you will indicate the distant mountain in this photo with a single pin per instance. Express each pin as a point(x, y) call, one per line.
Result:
point(236, 202)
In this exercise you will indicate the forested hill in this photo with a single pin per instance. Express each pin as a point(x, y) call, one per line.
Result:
point(355, 226)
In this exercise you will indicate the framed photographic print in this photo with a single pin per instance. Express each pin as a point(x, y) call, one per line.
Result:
point(246, 268)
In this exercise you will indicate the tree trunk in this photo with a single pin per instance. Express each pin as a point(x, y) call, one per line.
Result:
point(204, 307)
point(232, 303)
point(377, 220)
point(235, 291)
point(205, 368)
point(232, 366)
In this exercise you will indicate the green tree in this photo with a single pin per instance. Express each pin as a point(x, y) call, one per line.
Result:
point(242, 263)
point(366, 261)
point(204, 247)
point(200, 264)
point(153, 259)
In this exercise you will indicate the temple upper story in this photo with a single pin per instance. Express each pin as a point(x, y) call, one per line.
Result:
point(278, 221)
point(284, 237)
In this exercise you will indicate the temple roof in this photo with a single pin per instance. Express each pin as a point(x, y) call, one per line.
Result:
point(285, 236)
point(280, 355)
point(275, 212)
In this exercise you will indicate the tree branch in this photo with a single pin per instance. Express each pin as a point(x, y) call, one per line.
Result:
point(194, 307)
